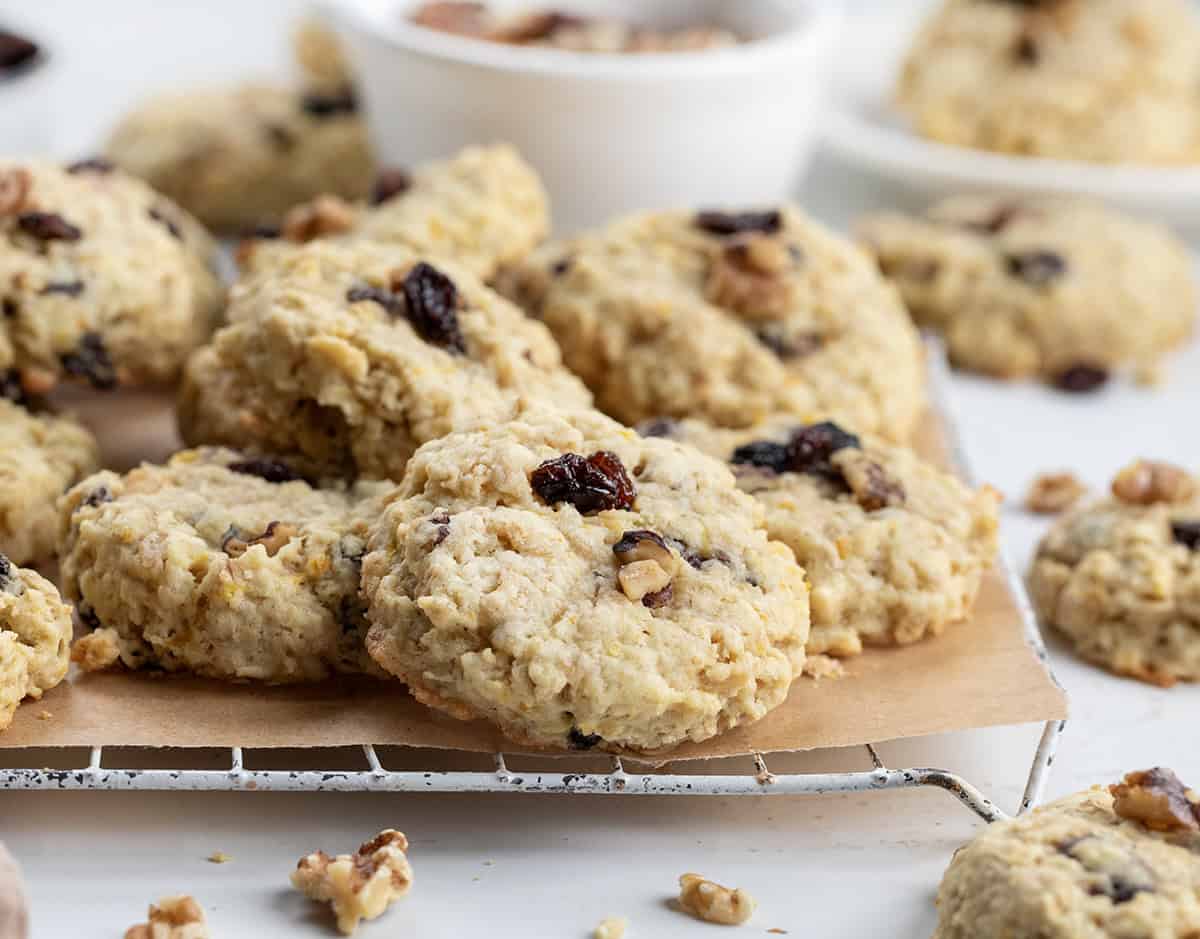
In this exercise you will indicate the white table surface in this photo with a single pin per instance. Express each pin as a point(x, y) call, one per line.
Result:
point(521, 866)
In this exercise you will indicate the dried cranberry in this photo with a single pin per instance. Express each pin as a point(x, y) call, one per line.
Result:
point(766, 454)
point(581, 741)
point(1187, 533)
point(592, 484)
point(11, 388)
point(167, 223)
point(390, 183)
point(658, 427)
point(658, 598)
point(736, 223)
point(811, 447)
point(441, 522)
point(1038, 268)
point(320, 105)
point(385, 298)
point(16, 52)
point(71, 288)
point(273, 471)
point(90, 165)
point(90, 360)
point(431, 301)
point(47, 226)
point(1081, 378)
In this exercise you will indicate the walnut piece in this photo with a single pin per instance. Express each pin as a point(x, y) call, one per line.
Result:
point(713, 903)
point(1148, 481)
point(1158, 800)
point(97, 651)
point(325, 215)
point(1051, 493)
point(275, 536)
point(873, 488)
point(177, 917)
point(361, 885)
point(647, 565)
point(640, 578)
point(611, 927)
point(14, 190)
point(749, 276)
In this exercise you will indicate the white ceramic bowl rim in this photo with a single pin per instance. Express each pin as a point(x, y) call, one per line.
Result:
point(815, 25)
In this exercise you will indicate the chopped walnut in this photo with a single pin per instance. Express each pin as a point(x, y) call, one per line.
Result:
point(361, 885)
point(873, 488)
point(640, 579)
point(713, 903)
point(647, 567)
point(274, 537)
point(611, 927)
point(325, 215)
point(1148, 481)
point(96, 651)
point(172, 918)
point(1157, 799)
point(14, 190)
point(1051, 493)
point(748, 275)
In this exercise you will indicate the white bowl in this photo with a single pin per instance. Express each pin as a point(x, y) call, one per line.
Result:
point(26, 102)
point(863, 128)
point(609, 133)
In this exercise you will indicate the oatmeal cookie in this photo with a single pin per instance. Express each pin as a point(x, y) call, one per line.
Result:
point(729, 318)
point(320, 57)
point(40, 456)
point(1085, 867)
point(894, 547)
point(349, 357)
point(582, 586)
point(241, 156)
point(482, 208)
point(102, 279)
point(217, 564)
point(1120, 578)
point(1060, 288)
point(35, 637)
point(1110, 81)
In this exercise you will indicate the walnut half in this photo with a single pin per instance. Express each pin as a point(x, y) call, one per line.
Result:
point(1148, 481)
point(1157, 799)
point(1051, 493)
point(178, 917)
point(713, 903)
point(361, 885)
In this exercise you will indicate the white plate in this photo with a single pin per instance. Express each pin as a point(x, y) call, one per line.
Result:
point(863, 128)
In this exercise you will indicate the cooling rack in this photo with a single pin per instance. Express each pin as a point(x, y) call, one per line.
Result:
point(365, 769)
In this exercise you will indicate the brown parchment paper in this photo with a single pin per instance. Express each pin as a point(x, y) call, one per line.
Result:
point(979, 673)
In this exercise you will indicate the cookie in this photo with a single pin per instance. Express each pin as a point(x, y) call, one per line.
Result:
point(220, 565)
point(729, 318)
point(320, 57)
point(582, 587)
point(1120, 578)
point(40, 456)
point(1110, 81)
point(894, 548)
point(1119, 863)
point(1059, 288)
point(482, 208)
point(241, 156)
point(35, 637)
point(348, 357)
point(102, 280)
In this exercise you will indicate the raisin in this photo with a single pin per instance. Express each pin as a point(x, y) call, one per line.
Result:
point(9, 307)
point(431, 301)
point(561, 266)
point(658, 427)
point(766, 454)
point(268, 232)
point(659, 598)
point(1187, 533)
point(390, 183)
point(1037, 268)
point(1119, 890)
point(1081, 378)
point(71, 288)
point(16, 52)
point(593, 484)
point(811, 447)
point(48, 226)
point(88, 617)
point(11, 387)
point(90, 360)
point(90, 165)
point(790, 347)
point(1026, 50)
point(272, 471)
point(578, 740)
point(280, 137)
point(441, 522)
point(97, 496)
point(320, 105)
point(999, 220)
point(736, 223)
point(385, 298)
point(168, 223)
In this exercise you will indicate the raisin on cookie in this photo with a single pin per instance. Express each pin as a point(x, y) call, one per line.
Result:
point(348, 357)
point(218, 564)
point(1064, 289)
point(582, 587)
point(102, 280)
point(35, 637)
point(729, 317)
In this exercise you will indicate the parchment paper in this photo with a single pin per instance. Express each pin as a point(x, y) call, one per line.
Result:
point(979, 673)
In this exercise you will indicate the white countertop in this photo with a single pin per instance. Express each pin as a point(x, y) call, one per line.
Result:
point(520, 866)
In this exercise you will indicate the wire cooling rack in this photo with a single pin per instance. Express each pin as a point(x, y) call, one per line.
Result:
point(363, 768)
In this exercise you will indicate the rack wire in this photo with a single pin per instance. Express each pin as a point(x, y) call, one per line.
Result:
point(756, 779)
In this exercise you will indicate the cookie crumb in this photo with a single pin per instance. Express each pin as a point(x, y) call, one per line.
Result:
point(1146, 482)
point(776, 931)
point(45, 716)
point(1158, 800)
point(819, 666)
point(1149, 374)
point(325, 215)
point(219, 857)
point(178, 917)
point(97, 651)
point(361, 885)
point(1052, 493)
point(714, 903)
point(611, 927)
